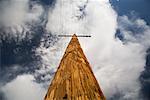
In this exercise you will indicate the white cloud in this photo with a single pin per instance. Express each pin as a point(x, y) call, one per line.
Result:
point(23, 88)
point(15, 14)
point(35, 13)
point(135, 30)
point(50, 58)
point(63, 18)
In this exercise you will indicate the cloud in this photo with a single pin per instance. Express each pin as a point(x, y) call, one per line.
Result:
point(16, 17)
point(135, 30)
point(14, 10)
point(23, 88)
point(65, 17)
point(50, 57)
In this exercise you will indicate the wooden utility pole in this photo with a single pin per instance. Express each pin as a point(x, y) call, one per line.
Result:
point(74, 79)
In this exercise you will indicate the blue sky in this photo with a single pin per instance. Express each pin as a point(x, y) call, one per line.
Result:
point(139, 7)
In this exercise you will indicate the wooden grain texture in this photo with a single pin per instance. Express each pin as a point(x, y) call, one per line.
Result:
point(74, 79)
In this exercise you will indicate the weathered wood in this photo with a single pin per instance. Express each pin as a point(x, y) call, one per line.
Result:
point(74, 79)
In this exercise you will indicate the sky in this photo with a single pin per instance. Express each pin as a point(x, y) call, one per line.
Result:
point(118, 51)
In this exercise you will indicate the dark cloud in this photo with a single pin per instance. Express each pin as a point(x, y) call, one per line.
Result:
point(2, 96)
point(145, 78)
point(16, 56)
point(45, 3)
